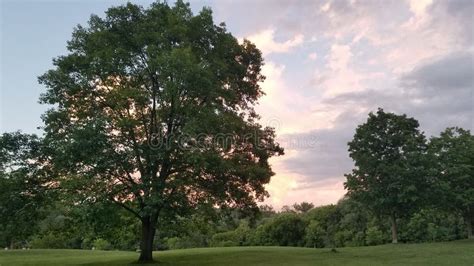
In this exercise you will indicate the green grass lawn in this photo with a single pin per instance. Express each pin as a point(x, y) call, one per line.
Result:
point(447, 253)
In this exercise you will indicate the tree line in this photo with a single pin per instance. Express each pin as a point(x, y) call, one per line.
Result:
point(412, 190)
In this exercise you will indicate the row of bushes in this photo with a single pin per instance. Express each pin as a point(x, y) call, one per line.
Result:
point(51, 240)
point(329, 226)
point(344, 224)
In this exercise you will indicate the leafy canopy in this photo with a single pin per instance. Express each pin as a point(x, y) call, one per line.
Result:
point(153, 109)
point(22, 189)
point(390, 169)
point(453, 153)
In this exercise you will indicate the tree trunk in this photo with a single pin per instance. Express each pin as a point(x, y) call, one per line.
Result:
point(393, 220)
point(469, 223)
point(148, 235)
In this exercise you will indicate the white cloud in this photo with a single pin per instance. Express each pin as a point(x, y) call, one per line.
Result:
point(420, 16)
point(325, 7)
point(283, 105)
point(339, 76)
point(320, 193)
point(288, 186)
point(418, 7)
point(265, 41)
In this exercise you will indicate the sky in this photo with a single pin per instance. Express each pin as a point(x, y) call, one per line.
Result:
point(328, 63)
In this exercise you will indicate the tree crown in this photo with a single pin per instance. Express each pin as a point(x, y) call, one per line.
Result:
point(153, 109)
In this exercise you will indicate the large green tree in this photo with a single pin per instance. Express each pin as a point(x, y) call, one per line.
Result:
point(153, 109)
point(453, 153)
point(390, 174)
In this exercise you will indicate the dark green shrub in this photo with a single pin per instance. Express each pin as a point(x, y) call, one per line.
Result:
point(287, 229)
point(314, 235)
point(50, 240)
point(101, 244)
point(374, 236)
point(192, 241)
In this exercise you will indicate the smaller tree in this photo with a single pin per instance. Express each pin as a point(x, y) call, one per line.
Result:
point(315, 235)
point(286, 208)
point(373, 236)
point(21, 189)
point(354, 221)
point(266, 211)
point(286, 229)
point(454, 154)
point(328, 217)
point(303, 207)
point(390, 167)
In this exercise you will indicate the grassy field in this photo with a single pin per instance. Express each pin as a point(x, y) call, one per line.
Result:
point(447, 253)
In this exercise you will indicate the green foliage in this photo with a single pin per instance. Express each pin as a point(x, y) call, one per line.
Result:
point(286, 229)
point(78, 226)
point(261, 236)
point(266, 211)
point(86, 243)
point(374, 236)
point(328, 217)
point(238, 237)
point(303, 207)
point(430, 225)
point(315, 235)
point(107, 221)
point(57, 230)
point(343, 238)
point(23, 194)
point(101, 244)
point(173, 243)
point(354, 222)
point(225, 239)
point(193, 240)
point(358, 239)
point(391, 169)
point(338, 225)
point(453, 157)
point(50, 240)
